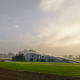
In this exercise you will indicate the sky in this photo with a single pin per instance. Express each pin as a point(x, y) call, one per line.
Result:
point(49, 26)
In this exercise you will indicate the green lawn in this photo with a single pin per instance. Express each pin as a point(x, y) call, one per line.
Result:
point(65, 69)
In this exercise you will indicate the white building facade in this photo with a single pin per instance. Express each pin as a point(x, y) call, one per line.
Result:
point(33, 56)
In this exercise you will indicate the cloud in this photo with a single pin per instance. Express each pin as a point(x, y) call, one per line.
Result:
point(17, 26)
point(61, 26)
point(59, 30)
point(49, 5)
point(27, 37)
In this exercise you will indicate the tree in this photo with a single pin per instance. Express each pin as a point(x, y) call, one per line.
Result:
point(19, 57)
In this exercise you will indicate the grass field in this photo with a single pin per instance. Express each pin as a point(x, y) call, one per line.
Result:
point(64, 69)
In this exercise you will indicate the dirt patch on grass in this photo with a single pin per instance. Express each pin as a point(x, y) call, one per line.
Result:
point(25, 75)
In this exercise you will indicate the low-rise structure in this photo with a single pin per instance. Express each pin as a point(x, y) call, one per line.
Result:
point(36, 57)
point(33, 56)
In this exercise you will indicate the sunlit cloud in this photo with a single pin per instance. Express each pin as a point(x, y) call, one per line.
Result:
point(50, 5)
point(64, 28)
point(59, 29)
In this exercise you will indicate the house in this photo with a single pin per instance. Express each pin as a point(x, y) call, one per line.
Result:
point(36, 57)
point(33, 56)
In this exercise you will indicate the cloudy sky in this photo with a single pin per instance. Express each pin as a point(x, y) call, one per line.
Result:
point(49, 26)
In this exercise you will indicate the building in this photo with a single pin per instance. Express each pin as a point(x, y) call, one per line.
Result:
point(33, 56)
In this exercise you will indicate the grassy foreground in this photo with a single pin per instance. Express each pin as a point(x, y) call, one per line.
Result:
point(64, 69)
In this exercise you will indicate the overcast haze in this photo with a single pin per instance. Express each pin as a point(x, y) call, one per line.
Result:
point(50, 26)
